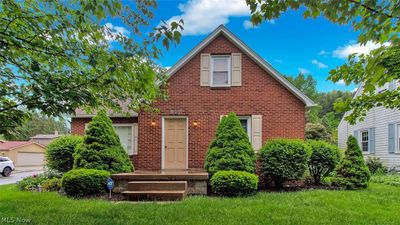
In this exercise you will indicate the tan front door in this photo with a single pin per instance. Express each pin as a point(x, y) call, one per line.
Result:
point(175, 143)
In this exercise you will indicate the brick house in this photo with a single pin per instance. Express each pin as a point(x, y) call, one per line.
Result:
point(220, 75)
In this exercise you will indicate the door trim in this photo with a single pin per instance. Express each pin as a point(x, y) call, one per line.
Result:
point(163, 139)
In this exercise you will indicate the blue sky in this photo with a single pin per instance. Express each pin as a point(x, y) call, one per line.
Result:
point(290, 43)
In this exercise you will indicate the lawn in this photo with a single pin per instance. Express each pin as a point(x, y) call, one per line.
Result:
point(379, 204)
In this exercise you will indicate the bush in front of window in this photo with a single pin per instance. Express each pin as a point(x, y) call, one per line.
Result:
point(231, 148)
point(323, 160)
point(376, 166)
point(85, 182)
point(101, 148)
point(283, 160)
point(234, 183)
point(59, 153)
point(352, 172)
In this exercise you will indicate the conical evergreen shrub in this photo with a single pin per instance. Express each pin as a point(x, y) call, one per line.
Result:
point(352, 172)
point(231, 149)
point(101, 148)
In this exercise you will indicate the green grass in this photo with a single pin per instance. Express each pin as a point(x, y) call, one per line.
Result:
point(379, 204)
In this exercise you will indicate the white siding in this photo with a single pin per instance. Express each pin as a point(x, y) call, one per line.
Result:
point(379, 118)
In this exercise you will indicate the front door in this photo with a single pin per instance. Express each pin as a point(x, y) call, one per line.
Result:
point(175, 143)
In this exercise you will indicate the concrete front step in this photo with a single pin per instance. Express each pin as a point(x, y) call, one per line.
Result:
point(157, 186)
point(164, 195)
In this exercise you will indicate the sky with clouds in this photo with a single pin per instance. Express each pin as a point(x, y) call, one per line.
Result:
point(290, 43)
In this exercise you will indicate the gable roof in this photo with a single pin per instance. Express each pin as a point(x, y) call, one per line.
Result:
point(254, 56)
point(10, 145)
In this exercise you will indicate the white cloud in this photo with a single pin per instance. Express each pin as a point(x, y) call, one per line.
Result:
point(319, 64)
point(323, 52)
point(355, 89)
point(344, 51)
point(247, 24)
point(341, 82)
point(303, 71)
point(115, 30)
point(202, 16)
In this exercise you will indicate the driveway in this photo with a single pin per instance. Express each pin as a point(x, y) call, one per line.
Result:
point(17, 175)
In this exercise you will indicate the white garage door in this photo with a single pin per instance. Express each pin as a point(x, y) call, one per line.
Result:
point(30, 159)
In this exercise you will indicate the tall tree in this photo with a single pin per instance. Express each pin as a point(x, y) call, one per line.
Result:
point(55, 57)
point(323, 117)
point(308, 85)
point(38, 124)
point(376, 21)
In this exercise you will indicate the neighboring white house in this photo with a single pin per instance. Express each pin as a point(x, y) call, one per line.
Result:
point(378, 134)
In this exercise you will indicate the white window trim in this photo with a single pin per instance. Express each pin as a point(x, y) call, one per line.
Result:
point(133, 135)
point(249, 128)
point(396, 135)
point(212, 70)
point(361, 141)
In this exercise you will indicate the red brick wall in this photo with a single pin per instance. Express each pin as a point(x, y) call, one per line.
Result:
point(260, 94)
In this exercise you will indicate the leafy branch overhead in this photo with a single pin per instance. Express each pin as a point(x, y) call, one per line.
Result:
point(376, 21)
point(55, 56)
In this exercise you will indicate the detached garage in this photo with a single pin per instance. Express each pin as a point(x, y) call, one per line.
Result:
point(23, 153)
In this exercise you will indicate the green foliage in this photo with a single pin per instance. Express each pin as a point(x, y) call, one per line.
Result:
point(101, 148)
point(323, 119)
point(53, 184)
point(307, 85)
point(323, 160)
point(33, 182)
point(234, 183)
point(351, 172)
point(381, 66)
point(37, 124)
point(85, 182)
point(316, 131)
point(284, 159)
point(59, 153)
point(376, 21)
point(393, 179)
point(56, 57)
point(376, 166)
point(231, 148)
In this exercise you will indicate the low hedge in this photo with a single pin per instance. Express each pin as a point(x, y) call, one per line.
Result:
point(234, 183)
point(85, 182)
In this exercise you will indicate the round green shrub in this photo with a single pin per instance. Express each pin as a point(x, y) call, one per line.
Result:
point(53, 184)
point(234, 183)
point(59, 153)
point(284, 159)
point(231, 148)
point(85, 182)
point(323, 160)
point(376, 166)
point(352, 172)
point(101, 148)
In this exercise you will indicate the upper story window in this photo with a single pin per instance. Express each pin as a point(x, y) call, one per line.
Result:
point(220, 71)
point(364, 141)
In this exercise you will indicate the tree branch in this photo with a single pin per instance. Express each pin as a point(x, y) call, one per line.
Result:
point(373, 9)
